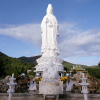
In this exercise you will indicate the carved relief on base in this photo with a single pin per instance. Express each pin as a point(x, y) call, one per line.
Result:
point(55, 60)
point(46, 62)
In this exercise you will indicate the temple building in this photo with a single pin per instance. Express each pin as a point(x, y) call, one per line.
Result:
point(78, 69)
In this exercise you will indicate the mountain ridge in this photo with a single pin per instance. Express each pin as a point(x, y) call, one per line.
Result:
point(9, 65)
point(29, 59)
point(65, 63)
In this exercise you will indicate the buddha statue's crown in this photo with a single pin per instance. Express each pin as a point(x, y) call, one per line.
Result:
point(49, 6)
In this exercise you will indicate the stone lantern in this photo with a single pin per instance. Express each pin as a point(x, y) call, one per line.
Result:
point(84, 87)
point(11, 86)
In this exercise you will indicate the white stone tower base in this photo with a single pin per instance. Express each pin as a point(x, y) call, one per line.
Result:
point(51, 88)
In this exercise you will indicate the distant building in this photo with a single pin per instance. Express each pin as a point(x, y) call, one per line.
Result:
point(78, 69)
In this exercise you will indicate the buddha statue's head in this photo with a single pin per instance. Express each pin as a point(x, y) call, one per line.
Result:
point(49, 9)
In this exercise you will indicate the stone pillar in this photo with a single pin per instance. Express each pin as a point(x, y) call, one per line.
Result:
point(85, 96)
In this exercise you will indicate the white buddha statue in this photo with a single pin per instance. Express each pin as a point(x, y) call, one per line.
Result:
point(49, 32)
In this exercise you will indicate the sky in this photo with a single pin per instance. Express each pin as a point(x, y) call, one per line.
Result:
point(79, 28)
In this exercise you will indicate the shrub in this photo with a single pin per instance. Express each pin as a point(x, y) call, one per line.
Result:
point(95, 72)
point(85, 72)
point(31, 73)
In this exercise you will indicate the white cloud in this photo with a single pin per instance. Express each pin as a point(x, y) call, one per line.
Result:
point(72, 41)
point(83, 60)
point(78, 43)
point(28, 32)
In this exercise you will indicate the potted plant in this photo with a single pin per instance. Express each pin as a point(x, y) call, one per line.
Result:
point(37, 80)
point(64, 79)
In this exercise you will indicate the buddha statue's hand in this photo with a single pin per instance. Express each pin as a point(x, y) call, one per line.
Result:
point(50, 24)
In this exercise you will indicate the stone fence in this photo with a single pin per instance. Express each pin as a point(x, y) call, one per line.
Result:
point(27, 96)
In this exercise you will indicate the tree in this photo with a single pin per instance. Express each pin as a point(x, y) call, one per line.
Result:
point(95, 72)
point(1, 68)
point(65, 68)
point(9, 65)
point(99, 64)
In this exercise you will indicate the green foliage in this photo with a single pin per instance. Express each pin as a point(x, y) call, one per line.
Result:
point(34, 63)
point(1, 67)
point(67, 64)
point(31, 74)
point(74, 78)
point(31, 60)
point(65, 68)
point(9, 65)
point(85, 72)
point(99, 64)
point(95, 72)
point(99, 85)
point(70, 65)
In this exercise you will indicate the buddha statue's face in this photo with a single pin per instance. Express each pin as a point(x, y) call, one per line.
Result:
point(49, 9)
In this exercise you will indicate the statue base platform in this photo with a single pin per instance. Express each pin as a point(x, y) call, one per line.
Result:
point(51, 88)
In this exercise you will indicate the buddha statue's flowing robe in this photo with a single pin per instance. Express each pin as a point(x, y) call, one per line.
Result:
point(49, 32)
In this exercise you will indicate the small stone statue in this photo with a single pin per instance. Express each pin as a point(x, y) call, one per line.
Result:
point(32, 86)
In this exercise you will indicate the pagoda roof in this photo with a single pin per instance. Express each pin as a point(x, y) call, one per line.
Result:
point(78, 68)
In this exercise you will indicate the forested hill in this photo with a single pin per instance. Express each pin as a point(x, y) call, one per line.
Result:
point(9, 65)
point(29, 59)
point(65, 63)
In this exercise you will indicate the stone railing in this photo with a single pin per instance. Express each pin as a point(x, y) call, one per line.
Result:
point(27, 96)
